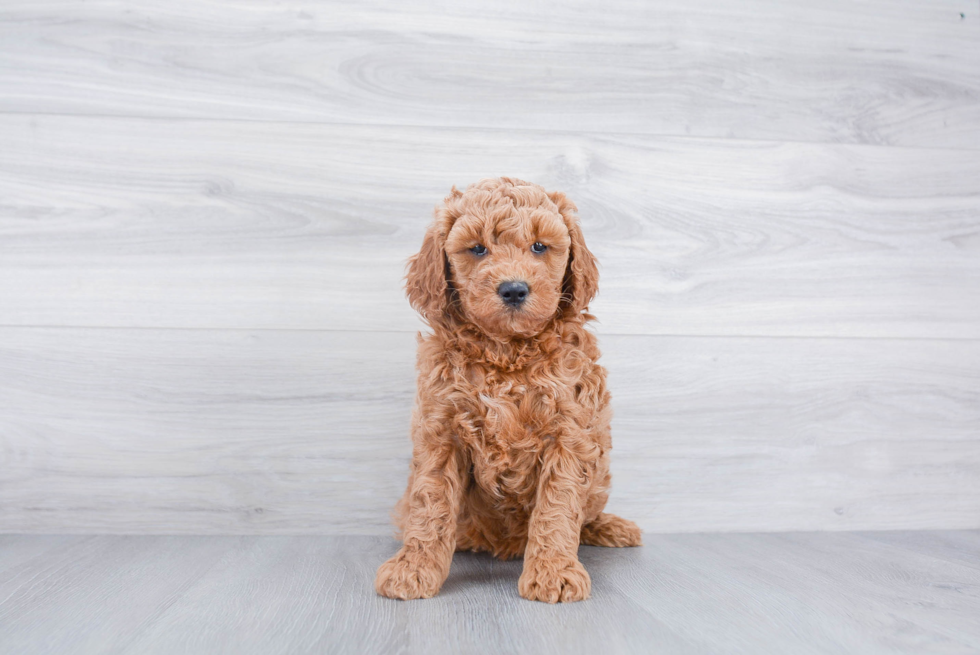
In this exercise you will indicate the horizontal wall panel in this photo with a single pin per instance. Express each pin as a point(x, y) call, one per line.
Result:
point(213, 431)
point(198, 224)
point(879, 71)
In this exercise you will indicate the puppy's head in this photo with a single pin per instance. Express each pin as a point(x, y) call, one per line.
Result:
point(505, 255)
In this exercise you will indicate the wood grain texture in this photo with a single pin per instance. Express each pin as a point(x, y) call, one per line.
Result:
point(877, 71)
point(143, 223)
point(205, 209)
point(706, 593)
point(297, 432)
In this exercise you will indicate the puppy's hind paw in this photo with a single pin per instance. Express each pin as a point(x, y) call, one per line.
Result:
point(612, 532)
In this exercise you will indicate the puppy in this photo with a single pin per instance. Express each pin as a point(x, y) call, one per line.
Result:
point(510, 429)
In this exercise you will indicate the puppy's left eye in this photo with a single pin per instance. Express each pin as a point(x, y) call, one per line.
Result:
point(538, 247)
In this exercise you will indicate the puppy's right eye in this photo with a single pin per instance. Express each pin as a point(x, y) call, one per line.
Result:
point(479, 250)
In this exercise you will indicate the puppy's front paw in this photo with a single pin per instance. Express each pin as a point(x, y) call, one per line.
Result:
point(554, 579)
point(406, 578)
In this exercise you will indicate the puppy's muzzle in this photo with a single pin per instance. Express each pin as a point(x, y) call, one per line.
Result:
point(513, 293)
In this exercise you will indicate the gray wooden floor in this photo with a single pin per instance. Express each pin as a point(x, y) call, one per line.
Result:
point(863, 593)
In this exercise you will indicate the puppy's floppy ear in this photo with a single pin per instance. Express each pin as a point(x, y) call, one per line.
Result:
point(581, 281)
point(427, 283)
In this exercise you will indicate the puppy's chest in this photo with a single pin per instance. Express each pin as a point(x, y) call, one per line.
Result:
point(511, 422)
point(511, 408)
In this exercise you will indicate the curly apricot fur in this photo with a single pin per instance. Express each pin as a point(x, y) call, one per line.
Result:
point(510, 429)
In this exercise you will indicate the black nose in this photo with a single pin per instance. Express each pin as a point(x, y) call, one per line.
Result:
point(513, 293)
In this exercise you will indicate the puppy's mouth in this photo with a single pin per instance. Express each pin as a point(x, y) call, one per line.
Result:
point(522, 320)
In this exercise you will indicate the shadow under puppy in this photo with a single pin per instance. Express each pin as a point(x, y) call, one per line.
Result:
point(510, 429)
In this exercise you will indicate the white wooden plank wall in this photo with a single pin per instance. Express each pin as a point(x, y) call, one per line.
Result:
point(205, 209)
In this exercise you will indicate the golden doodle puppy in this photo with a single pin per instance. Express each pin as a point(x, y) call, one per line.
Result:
point(510, 429)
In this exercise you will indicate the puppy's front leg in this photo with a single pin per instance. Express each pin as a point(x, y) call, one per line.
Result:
point(422, 564)
point(552, 571)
